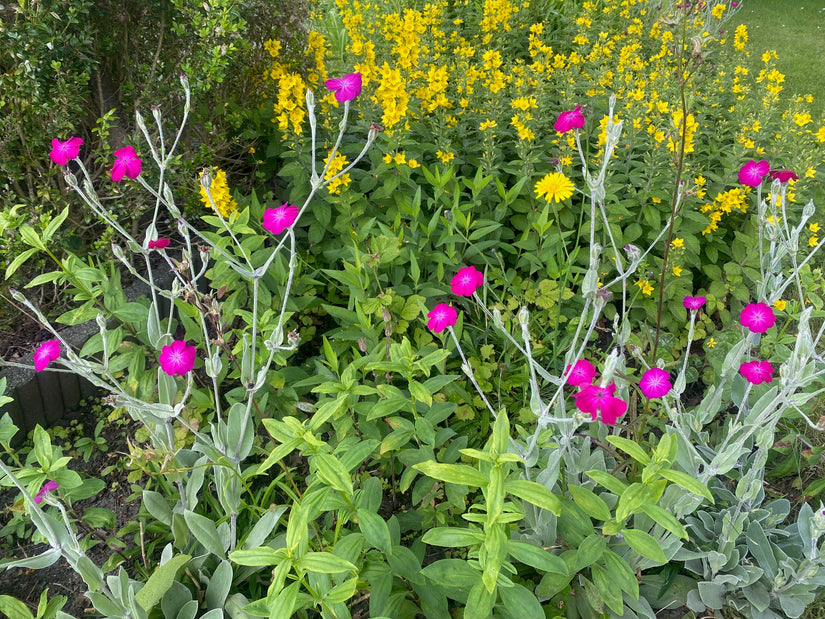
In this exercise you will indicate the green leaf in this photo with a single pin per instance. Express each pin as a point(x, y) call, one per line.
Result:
point(665, 519)
point(160, 582)
point(205, 532)
point(374, 529)
point(219, 584)
point(452, 537)
point(420, 393)
point(263, 556)
point(14, 608)
point(630, 447)
point(539, 558)
point(324, 563)
point(607, 480)
point(644, 544)
point(31, 238)
point(453, 473)
point(518, 602)
point(590, 502)
point(279, 453)
point(333, 473)
point(590, 551)
point(42, 447)
point(691, 484)
point(603, 580)
point(621, 573)
point(535, 494)
point(19, 260)
point(54, 224)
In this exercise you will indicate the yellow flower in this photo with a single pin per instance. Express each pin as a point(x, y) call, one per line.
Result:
point(813, 241)
point(820, 134)
point(444, 157)
point(700, 181)
point(491, 124)
point(680, 243)
point(718, 10)
point(219, 190)
point(555, 187)
point(813, 227)
point(710, 343)
point(645, 286)
point(400, 158)
point(677, 271)
point(413, 164)
point(780, 305)
point(387, 158)
point(339, 162)
point(740, 37)
point(802, 119)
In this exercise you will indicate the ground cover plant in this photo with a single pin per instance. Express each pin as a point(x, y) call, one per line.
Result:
point(515, 339)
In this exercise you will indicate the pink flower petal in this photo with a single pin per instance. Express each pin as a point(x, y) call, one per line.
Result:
point(757, 317)
point(580, 373)
point(655, 383)
point(177, 359)
point(276, 220)
point(465, 282)
point(46, 353)
point(441, 317)
point(63, 152)
point(345, 88)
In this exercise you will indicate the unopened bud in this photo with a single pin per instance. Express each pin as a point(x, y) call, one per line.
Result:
point(71, 180)
point(809, 210)
point(634, 254)
point(206, 178)
point(117, 252)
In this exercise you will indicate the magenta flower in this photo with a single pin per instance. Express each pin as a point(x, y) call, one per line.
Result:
point(783, 176)
point(63, 152)
point(466, 281)
point(655, 383)
point(757, 372)
point(345, 88)
point(46, 353)
point(159, 244)
point(757, 317)
point(276, 220)
point(441, 317)
point(126, 163)
point(572, 119)
point(693, 303)
point(177, 358)
point(594, 400)
point(580, 373)
point(752, 172)
point(49, 486)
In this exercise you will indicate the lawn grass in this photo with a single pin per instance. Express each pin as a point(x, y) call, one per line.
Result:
point(796, 30)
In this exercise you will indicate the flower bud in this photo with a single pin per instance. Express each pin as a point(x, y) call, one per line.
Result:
point(206, 178)
point(71, 180)
point(117, 251)
point(809, 210)
point(524, 317)
point(497, 321)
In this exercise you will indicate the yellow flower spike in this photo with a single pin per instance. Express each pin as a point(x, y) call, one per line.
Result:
point(224, 202)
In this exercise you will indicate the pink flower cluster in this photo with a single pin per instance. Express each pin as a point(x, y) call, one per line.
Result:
point(276, 220)
point(49, 486)
point(758, 318)
point(127, 163)
point(177, 359)
point(345, 88)
point(569, 120)
point(46, 353)
point(752, 173)
point(158, 244)
point(464, 284)
point(591, 398)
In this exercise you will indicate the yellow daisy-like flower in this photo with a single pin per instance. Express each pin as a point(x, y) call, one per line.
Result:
point(400, 158)
point(488, 124)
point(219, 189)
point(813, 241)
point(710, 343)
point(780, 305)
point(677, 271)
point(444, 157)
point(718, 10)
point(555, 187)
point(677, 242)
point(813, 227)
point(413, 164)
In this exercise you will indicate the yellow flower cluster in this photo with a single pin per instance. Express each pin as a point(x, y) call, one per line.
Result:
point(723, 204)
point(219, 190)
point(339, 162)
